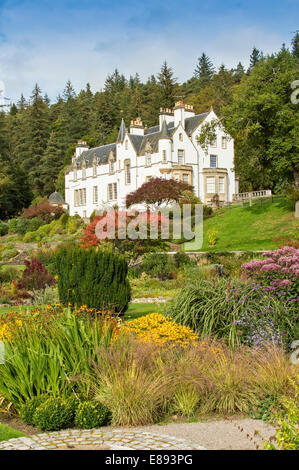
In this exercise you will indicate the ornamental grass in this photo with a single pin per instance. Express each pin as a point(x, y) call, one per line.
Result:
point(141, 382)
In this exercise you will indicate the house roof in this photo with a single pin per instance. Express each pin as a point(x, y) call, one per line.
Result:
point(164, 134)
point(139, 142)
point(56, 198)
point(122, 132)
point(101, 153)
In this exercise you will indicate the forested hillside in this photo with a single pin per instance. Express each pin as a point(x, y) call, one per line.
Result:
point(38, 137)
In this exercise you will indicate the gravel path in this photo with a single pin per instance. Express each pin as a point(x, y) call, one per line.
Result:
point(234, 434)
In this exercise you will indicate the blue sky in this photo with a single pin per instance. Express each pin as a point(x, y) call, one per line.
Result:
point(51, 41)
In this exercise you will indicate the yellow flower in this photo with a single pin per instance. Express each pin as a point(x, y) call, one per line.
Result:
point(161, 330)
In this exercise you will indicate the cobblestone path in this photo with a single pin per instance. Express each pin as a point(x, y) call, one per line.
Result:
point(97, 438)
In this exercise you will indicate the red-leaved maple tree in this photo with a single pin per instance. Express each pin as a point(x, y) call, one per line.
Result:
point(157, 191)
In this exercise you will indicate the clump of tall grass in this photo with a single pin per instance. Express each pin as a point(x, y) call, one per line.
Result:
point(47, 353)
point(133, 389)
point(141, 384)
point(235, 310)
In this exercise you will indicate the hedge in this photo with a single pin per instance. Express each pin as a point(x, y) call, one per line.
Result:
point(97, 279)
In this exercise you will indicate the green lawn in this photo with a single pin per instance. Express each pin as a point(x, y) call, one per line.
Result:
point(16, 309)
point(251, 228)
point(7, 432)
point(139, 309)
point(135, 310)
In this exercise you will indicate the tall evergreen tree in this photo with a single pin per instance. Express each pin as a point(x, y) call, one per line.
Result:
point(15, 192)
point(255, 57)
point(38, 126)
point(51, 164)
point(168, 86)
point(295, 45)
point(239, 72)
point(204, 70)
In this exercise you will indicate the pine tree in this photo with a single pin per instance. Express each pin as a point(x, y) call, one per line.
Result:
point(52, 163)
point(239, 72)
point(204, 70)
point(38, 125)
point(168, 86)
point(15, 192)
point(68, 92)
point(71, 121)
point(295, 46)
point(21, 103)
point(255, 57)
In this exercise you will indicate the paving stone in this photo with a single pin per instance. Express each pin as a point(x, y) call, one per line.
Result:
point(116, 440)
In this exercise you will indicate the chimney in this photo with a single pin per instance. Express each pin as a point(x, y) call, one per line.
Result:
point(81, 147)
point(179, 113)
point(189, 112)
point(136, 127)
point(166, 114)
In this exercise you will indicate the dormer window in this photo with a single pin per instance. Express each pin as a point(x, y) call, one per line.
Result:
point(126, 145)
point(94, 166)
point(127, 172)
point(111, 167)
point(214, 142)
point(148, 159)
point(181, 137)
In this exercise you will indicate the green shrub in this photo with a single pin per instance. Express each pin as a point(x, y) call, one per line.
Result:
point(46, 296)
point(30, 237)
point(30, 406)
point(266, 408)
point(181, 259)
point(6, 255)
point(4, 227)
point(97, 279)
point(63, 220)
point(53, 414)
point(22, 226)
point(9, 274)
point(73, 224)
point(207, 211)
point(12, 223)
point(35, 223)
point(46, 257)
point(44, 229)
point(92, 216)
point(158, 265)
point(91, 415)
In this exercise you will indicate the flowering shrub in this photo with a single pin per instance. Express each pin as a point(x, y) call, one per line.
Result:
point(44, 210)
point(212, 237)
point(155, 328)
point(279, 271)
point(114, 225)
point(35, 276)
point(8, 329)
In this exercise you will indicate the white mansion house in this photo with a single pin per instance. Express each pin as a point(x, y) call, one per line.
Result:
point(103, 176)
